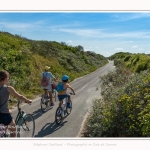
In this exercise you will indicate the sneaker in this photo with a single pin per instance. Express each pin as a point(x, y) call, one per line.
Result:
point(52, 104)
point(68, 105)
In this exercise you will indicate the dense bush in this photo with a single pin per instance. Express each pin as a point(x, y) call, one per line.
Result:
point(124, 109)
point(135, 62)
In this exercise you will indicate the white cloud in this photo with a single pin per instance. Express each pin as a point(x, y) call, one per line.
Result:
point(140, 49)
point(70, 41)
point(99, 33)
point(15, 25)
point(134, 46)
point(119, 49)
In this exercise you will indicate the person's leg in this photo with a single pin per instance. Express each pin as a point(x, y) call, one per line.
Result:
point(50, 95)
point(60, 98)
point(51, 98)
point(9, 123)
point(60, 103)
point(69, 100)
point(12, 128)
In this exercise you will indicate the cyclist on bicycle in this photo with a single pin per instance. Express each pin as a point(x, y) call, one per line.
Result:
point(64, 94)
point(49, 76)
point(5, 113)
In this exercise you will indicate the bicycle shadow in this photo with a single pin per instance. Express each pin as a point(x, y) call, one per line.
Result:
point(49, 128)
point(38, 113)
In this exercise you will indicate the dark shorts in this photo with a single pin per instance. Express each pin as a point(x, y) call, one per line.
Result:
point(61, 97)
point(5, 118)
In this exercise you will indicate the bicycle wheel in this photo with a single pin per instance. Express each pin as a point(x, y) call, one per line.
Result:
point(58, 115)
point(44, 104)
point(68, 110)
point(54, 94)
point(27, 128)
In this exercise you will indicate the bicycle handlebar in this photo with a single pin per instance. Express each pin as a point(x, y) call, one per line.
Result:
point(18, 102)
point(71, 93)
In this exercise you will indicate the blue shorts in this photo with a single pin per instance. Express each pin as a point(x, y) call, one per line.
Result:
point(5, 118)
point(61, 97)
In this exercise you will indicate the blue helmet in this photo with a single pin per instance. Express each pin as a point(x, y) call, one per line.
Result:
point(65, 78)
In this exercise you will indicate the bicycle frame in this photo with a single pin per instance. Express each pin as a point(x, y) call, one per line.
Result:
point(20, 115)
point(22, 122)
point(64, 105)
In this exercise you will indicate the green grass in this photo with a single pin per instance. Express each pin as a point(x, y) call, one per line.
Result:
point(25, 60)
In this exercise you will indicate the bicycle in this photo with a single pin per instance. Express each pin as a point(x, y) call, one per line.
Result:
point(63, 111)
point(45, 99)
point(25, 124)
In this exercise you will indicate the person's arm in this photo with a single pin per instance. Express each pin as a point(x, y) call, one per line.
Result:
point(71, 89)
point(12, 91)
point(52, 76)
point(55, 79)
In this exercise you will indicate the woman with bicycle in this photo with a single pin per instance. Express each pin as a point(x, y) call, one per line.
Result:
point(5, 113)
point(49, 76)
point(64, 94)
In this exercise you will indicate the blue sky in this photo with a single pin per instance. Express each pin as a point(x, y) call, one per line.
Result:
point(104, 33)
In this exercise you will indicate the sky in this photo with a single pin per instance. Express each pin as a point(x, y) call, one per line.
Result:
point(102, 32)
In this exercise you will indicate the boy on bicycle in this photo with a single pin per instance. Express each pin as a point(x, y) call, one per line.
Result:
point(63, 94)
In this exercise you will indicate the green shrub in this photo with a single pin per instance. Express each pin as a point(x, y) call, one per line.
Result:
point(124, 108)
point(25, 59)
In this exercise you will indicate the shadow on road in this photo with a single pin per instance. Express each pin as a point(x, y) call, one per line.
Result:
point(49, 128)
point(38, 113)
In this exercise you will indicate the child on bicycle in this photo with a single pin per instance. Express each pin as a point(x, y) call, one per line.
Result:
point(5, 113)
point(63, 94)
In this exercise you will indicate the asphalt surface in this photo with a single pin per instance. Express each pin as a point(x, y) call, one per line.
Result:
point(87, 88)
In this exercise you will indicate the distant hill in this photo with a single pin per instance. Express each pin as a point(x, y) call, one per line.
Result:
point(25, 59)
point(135, 62)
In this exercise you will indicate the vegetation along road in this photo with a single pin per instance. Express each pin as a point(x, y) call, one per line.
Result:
point(87, 88)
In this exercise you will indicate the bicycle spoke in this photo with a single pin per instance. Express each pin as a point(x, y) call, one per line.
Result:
point(58, 115)
point(44, 104)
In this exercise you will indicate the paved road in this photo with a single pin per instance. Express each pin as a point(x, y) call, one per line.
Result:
point(86, 90)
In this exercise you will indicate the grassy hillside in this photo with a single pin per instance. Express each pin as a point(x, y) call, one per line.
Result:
point(135, 62)
point(25, 59)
